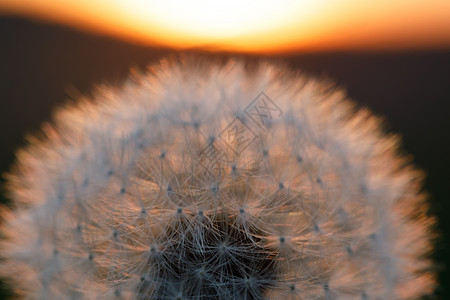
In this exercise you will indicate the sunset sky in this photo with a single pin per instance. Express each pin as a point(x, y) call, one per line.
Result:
point(263, 26)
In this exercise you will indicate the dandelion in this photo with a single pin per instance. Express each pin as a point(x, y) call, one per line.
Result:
point(205, 180)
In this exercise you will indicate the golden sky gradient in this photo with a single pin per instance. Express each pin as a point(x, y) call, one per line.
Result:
point(255, 26)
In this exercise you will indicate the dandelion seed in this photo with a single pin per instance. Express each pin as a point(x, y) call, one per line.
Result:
point(139, 194)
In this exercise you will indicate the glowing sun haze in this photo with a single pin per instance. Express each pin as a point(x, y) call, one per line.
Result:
point(246, 25)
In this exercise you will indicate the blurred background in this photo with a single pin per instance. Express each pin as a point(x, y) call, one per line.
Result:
point(391, 57)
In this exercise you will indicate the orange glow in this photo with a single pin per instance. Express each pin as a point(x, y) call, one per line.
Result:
point(255, 26)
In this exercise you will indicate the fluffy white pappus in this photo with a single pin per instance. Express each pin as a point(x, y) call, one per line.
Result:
point(207, 180)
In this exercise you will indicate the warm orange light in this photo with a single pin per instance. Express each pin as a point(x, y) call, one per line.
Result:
point(256, 25)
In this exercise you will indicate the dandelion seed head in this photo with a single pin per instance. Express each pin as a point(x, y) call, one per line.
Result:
point(206, 180)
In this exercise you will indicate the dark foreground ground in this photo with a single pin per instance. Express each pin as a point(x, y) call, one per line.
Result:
point(41, 66)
